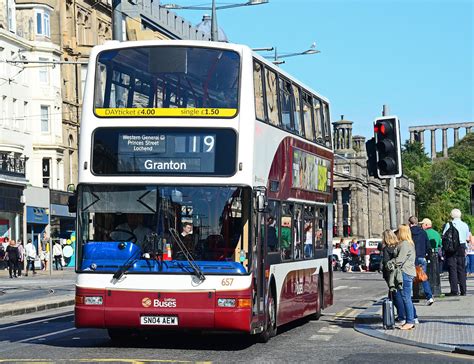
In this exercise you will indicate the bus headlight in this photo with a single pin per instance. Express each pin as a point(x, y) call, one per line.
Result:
point(93, 300)
point(226, 302)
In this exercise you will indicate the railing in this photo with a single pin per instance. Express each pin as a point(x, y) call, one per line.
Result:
point(11, 165)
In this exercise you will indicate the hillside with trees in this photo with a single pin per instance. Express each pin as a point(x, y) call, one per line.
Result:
point(442, 184)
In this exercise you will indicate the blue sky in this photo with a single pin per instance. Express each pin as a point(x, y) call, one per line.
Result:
point(414, 55)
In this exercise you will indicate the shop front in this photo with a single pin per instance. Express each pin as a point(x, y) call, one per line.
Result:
point(11, 211)
point(63, 225)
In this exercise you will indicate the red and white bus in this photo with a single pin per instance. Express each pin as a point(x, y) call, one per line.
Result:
point(205, 192)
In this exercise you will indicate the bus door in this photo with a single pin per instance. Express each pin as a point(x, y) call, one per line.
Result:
point(259, 266)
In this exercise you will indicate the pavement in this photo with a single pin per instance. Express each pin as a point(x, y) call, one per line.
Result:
point(447, 325)
point(38, 292)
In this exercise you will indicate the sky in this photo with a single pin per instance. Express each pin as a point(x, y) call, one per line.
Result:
point(416, 56)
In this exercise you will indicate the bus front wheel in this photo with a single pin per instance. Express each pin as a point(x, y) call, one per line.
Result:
point(271, 328)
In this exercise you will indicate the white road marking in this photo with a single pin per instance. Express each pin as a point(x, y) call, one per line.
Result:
point(330, 329)
point(340, 287)
point(320, 337)
point(46, 335)
point(35, 322)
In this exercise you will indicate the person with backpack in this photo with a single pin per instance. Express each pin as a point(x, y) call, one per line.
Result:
point(455, 239)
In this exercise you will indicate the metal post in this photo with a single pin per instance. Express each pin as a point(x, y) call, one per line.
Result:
point(391, 190)
point(117, 31)
point(214, 30)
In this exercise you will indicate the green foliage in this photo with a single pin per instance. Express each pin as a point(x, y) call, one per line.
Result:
point(413, 155)
point(443, 184)
point(463, 153)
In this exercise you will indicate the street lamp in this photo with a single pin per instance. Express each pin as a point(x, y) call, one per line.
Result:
point(277, 57)
point(213, 8)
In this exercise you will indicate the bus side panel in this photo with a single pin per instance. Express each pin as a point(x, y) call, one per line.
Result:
point(298, 294)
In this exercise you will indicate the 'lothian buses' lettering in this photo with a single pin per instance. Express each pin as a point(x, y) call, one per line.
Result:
point(168, 302)
point(149, 164)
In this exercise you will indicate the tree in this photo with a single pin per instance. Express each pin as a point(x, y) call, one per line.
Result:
point(413, 154)
point(443, 184)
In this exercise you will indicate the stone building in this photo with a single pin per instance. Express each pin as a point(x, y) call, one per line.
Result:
point(361, 202)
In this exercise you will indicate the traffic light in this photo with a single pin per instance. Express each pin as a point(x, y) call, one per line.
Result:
point(388, 148)
point(371, 157)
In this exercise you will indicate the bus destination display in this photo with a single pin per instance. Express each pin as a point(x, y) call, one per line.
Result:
point(150, 152)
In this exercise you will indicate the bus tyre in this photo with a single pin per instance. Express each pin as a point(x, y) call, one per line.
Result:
point(271, 328)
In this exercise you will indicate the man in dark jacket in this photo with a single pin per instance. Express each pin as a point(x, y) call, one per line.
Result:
point(423, 250)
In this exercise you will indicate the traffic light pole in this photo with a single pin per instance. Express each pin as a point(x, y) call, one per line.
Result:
point(391, 190)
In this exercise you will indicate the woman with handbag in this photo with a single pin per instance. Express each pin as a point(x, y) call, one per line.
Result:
point(405, 260)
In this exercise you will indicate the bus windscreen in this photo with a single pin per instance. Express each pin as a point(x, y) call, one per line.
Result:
point(167, 81)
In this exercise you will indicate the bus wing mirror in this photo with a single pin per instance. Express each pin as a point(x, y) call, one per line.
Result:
point(72, 203)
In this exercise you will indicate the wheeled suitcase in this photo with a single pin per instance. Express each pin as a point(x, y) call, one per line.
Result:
point(388, 315)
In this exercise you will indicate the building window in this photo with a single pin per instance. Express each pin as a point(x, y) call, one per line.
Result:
point(84, 27)
point(15, 117)
point(4, 110)
point(346, 169)
point(44, 119)
point(46, 172)
point(42, 23)
point(25, 115)
point(11, 16)
point(44, 72)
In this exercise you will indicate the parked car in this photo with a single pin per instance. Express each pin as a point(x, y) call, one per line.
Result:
point(374, 262)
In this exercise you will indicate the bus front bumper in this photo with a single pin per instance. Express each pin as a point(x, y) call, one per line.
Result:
point(200, 310)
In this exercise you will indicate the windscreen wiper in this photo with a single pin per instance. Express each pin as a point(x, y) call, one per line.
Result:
point(187, 254)
point(126, 266)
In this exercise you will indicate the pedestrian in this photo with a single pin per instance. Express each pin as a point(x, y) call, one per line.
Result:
point(455, 246)
point(30, 251)
point(12, 257)
point(43, 249)
point(346, 259)
point(21, 256)
point(355, 255)
point(470, 257)
point(388, 250)
point(3, 263)
point(436, 244)
point(58, 255)
point(423, 251)
point(405, 260)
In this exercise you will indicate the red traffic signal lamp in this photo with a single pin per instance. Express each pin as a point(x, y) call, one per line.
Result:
point(388, 147)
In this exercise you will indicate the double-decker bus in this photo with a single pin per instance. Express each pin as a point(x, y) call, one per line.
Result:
point(205, 192)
